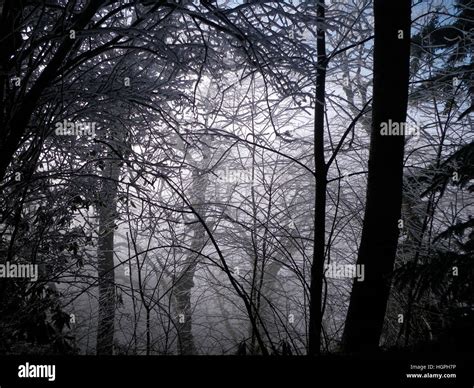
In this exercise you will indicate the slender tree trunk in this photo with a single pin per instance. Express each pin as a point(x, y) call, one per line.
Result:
point(185, 279)
point(183, 289)
point(317, 268)
point(107, 217)
point(384, 187)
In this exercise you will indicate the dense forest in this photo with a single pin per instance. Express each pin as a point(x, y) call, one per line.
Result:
point(236, 177)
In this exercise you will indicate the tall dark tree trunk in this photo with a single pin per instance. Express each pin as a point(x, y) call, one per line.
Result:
point(384, 187)
point(317, 268)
